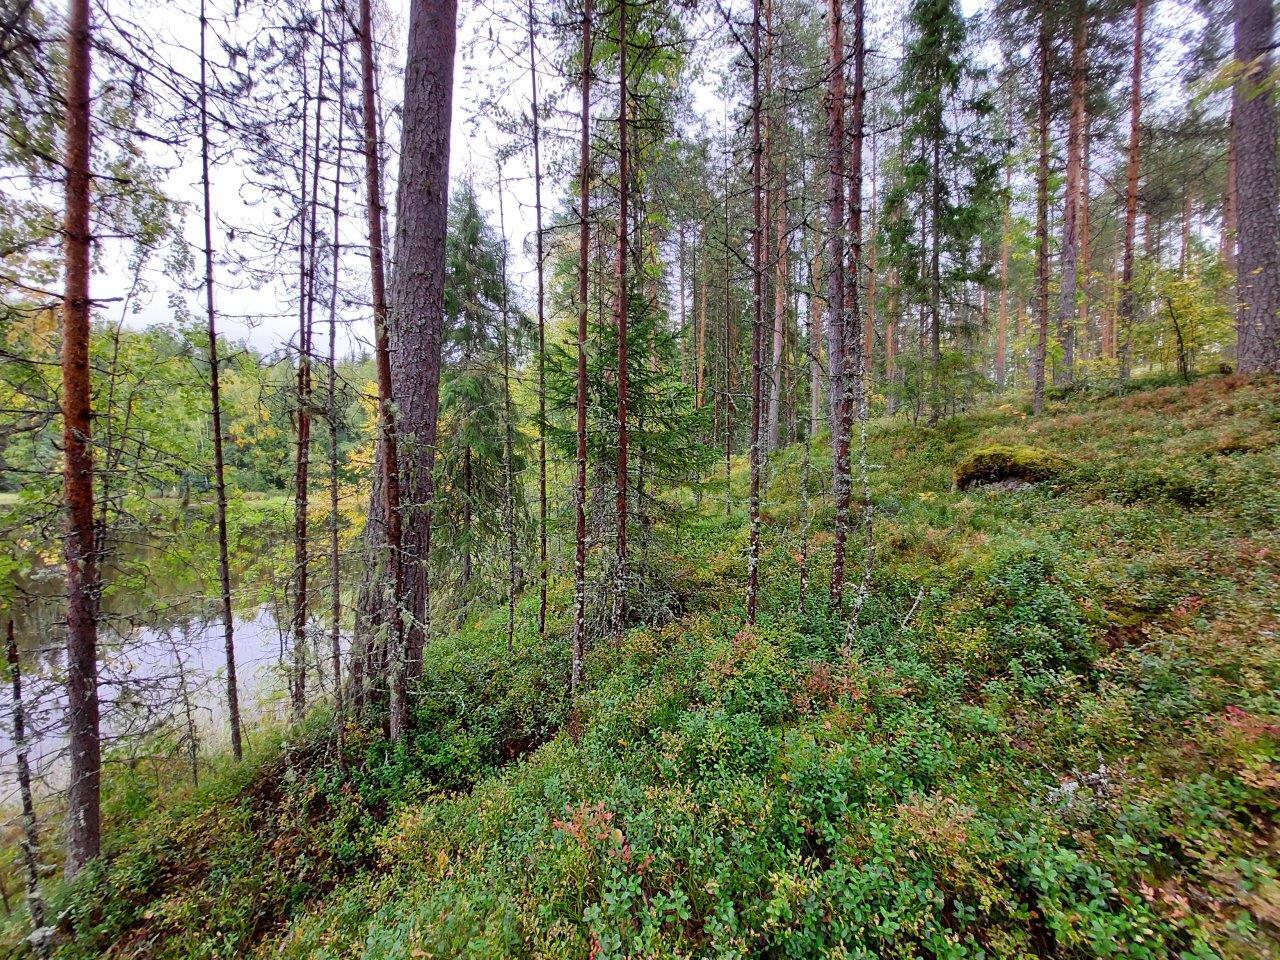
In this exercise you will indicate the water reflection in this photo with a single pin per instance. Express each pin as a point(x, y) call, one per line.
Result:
point(161, 665)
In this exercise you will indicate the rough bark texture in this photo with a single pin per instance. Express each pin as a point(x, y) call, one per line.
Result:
point(29, 842)
point(834, 255)
point(1258, 258)
point(1084, 337)
point(215, 405)
point(757, 312)
point(836, 320)
point(856, 352)
point(869, 300)
point(1128, 299)
point(508, 431)
point(1071, 208)
point(84, 820)
point(1002, 314)
point(543, 571)
point(331, 409)
point(584, 277)
point(302, 464)
point(1042, 228)
point(851, 315)
point(1230, 206)
point(386, 545)
point(777, 175)
point(416, 313)
point(620, 322)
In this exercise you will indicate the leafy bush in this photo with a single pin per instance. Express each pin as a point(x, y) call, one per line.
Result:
point(1180, 484)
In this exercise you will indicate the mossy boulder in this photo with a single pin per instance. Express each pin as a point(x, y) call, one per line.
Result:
point(997, 464)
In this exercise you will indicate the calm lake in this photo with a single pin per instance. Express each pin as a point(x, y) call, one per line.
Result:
point(160, 649)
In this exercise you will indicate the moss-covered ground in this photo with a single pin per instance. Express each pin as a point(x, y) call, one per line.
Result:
point(1055, 736)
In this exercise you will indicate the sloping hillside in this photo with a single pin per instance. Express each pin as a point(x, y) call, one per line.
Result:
point(1055, 735)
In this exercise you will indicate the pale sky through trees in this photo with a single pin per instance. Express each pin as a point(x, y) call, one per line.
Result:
point(492, 56)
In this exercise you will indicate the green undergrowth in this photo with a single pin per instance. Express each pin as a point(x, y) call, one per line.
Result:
point(1054, 735)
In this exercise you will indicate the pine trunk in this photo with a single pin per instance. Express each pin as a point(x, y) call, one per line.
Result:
point(836, 321)
point(584, 276)
point(543, 571)
point(388, 464)
point(1258, 257)
point(84, 821)
point(335, 566)
point(1002, 314)
point(757, 313)
point(1128, 297)
point(1042, 228)
point(215, 406)
point(416, 313)
point(1071, 208)
point(620, 323)
point(29, 842)
point(835, 211)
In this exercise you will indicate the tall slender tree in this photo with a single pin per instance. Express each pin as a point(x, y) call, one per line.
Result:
point(835, 254)
point(508, 429)
point(539, 240)
point(620, 322)
point(308, 213)
point(584, 278)
point(1042, 217)
point(84, 818)
point(331, 391)
point(1128, 296)
point(388, 465)
point(215, 405)
point(757, 312)
point(1073, 199)
point(29, 842)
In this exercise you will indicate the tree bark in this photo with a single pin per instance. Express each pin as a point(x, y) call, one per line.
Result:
point(1128, 297)
point(1002, 314)
point(835, 213)
point(416, 313)
point(757, 313)
point(215, 404)
point(1071, 206)
point(620, 323)
point(700, 352)
point(308, 211)
point(388, 464)
point(1042, 224)
point(543, 571)
point(30, 840)
point(584, 276)
point(1230, 206)
point(84, 820)
point(1083, 336)
point(1258, 257)
point(508, 432)
point(836, 319)
point(869, 306)
point(851, 315)
point(856, 355)
point(778, 181)
point(335, 582)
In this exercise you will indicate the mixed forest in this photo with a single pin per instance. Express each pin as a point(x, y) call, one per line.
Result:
point(639, 478)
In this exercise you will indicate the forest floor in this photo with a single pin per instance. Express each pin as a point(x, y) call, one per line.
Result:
point(1056, 735)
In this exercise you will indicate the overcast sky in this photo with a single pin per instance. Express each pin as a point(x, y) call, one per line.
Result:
point(492, 57)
